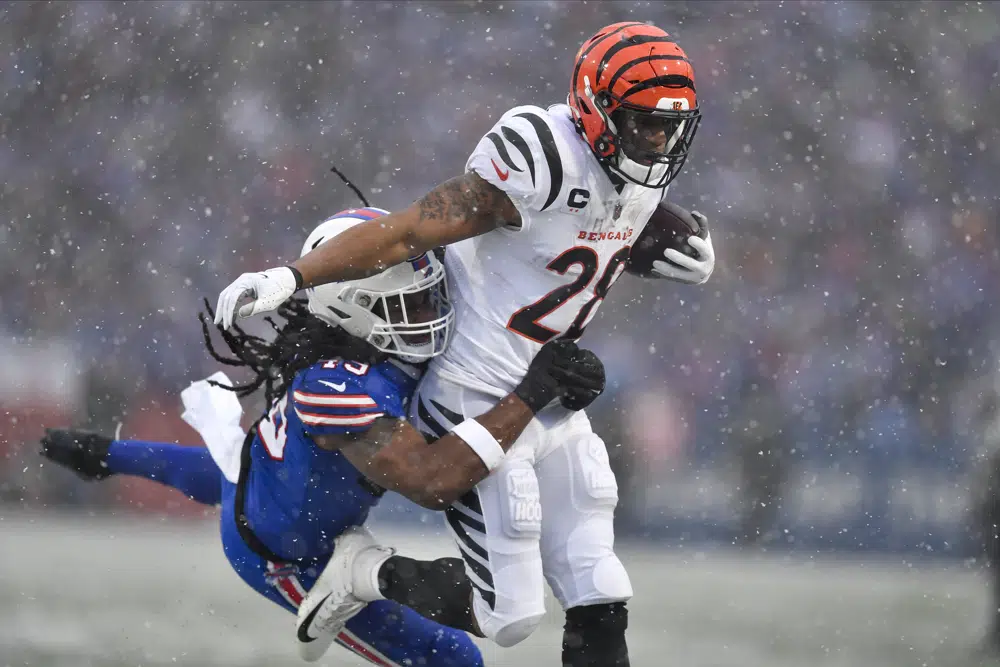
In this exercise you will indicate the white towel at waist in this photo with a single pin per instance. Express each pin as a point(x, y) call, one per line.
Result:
point(215, 413)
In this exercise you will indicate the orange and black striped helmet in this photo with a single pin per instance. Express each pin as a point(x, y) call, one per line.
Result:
point(633, 99)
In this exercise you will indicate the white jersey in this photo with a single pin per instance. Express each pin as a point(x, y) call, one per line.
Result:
point(516, 288)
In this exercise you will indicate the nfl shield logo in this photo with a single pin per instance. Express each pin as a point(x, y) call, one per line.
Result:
point(618, 211)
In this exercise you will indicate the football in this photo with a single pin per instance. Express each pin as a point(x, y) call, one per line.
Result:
point(670, 226)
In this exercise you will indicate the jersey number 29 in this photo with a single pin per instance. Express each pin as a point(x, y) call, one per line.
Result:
point(525, 321)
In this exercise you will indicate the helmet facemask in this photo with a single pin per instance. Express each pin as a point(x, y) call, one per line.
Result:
point(652, 145)
point(644, 145)
point(403, 311)
point(414, 324)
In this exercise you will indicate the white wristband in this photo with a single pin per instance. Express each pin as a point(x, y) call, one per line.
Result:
point(481, 441)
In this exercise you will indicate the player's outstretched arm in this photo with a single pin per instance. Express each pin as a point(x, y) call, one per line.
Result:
point(461, 208)
point(394, 455)
point(458, 209)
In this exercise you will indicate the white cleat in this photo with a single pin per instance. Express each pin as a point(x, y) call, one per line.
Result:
point(331, 601)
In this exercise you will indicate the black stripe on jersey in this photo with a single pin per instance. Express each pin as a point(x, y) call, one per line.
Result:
point(624, 44)
point(472, 522)
point(479, 569)
point(668, 81)
point(450, 415)
point(551, 155)
point(471, 500)
point(624, 68)
point(520, 144)
point(432, 424)
point(504, 155)
point(489, 597)
point(455, 520)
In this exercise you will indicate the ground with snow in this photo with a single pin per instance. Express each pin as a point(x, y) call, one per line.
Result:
point(77, 591)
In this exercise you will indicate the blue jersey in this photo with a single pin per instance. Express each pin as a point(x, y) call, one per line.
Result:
point(299, 497)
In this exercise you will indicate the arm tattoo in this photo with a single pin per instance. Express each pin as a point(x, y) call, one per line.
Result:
point(468, 200)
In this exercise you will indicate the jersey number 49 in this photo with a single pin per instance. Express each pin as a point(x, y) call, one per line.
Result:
point(273, 430)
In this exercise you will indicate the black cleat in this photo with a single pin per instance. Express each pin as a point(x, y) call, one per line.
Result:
point(83, 452)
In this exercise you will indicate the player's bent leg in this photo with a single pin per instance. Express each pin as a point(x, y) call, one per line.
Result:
point(497, 528)
point(579, 494)
point(362, 570)
point(494, 591)
point(384, 633)
point(497, 525)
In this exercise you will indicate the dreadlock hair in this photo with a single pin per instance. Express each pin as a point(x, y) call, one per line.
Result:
point(352, 186)
point(303, 340)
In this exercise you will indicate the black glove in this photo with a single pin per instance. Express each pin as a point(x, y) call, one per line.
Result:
point(583, 382)
point(562, 370)
point(83, 452)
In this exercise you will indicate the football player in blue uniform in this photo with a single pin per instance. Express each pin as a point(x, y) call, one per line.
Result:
point(337, 379)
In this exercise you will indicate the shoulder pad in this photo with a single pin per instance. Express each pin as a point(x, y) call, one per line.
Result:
point(521, 156)
point(333, 397)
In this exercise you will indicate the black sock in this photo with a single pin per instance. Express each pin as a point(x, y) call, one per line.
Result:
point(438, 590)
point(594, 636)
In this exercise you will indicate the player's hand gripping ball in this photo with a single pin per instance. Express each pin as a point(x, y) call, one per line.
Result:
point(675, 245)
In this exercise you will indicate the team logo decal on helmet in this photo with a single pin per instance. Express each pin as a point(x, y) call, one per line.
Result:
point(633, 98)
point(420, 263)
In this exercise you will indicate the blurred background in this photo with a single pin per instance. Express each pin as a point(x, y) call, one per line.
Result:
point(832, 388)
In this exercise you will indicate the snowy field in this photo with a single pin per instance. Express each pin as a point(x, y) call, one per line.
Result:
point(105, 592)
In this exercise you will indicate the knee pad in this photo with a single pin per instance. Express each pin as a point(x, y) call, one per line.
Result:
point(510, 628)
point(521, 509)
point(611, 581)
point(517, 631)
point(606, 581)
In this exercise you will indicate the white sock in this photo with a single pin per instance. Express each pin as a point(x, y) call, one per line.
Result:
point(364, 573)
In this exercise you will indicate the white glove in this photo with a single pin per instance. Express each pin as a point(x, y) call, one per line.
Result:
point(689, 270)
point(269, 289)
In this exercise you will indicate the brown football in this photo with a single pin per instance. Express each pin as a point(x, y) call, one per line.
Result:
point(670, 226)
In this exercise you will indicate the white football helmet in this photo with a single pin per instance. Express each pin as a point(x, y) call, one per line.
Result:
point(403, 311)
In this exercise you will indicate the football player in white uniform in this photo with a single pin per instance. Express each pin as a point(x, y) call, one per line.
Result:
point(538, 229)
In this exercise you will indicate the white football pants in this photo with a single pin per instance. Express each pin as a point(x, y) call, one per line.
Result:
point(546, 512)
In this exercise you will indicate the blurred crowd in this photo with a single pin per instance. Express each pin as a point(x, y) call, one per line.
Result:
point(153, 151)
